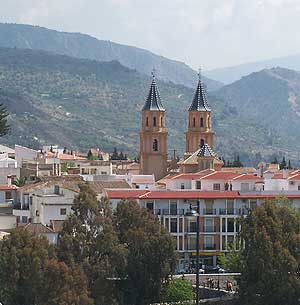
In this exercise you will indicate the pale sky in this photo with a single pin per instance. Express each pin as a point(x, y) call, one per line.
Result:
point(207, 33)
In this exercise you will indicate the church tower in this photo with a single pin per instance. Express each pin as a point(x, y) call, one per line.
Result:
point(199, 122)
point(153, 135)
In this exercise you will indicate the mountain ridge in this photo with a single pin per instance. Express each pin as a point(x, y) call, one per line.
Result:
point(85, 46)
point(228, 75)
point(80, 103)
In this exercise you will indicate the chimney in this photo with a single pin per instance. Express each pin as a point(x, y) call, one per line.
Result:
point(9, 180)
point(285, 173)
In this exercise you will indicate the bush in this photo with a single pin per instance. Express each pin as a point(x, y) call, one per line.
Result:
point(178, 290)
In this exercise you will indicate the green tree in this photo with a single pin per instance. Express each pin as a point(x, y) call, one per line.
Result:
point(20, 181)
point(283, 163)
point(89, 239)
point(151, 253)
point(232, 261)
point(4, 127)
point(178, 290)
point(30, 274)
point(271, 257)
point(63, 285)
point(21, 261)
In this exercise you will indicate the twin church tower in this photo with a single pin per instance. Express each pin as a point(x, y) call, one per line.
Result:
point(153, 135)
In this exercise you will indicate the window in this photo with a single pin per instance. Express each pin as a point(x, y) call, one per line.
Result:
point(208, 242)
point(192, 243)
point(24, 219)
point(154, 121)
point(193, 226)
point(103, 173)
point(298, 187)
point(147, 121)
point(155, 145)
point(63, 211)
point(182, 186)
point(216, 186)
point(230, 207)
point(209, 225)
point(93, 171)
point(173, 225)
point(8, 195)
point(173, 208)
point(198, 185)
point(230, 225)
point(202, 142)
point(180, 243)
point(150, 206)
point(161, 122)
point(37, 213)
point(201, 122)
point(194, 122)
point(180, 225)
point(30, 200)
point(56, 189)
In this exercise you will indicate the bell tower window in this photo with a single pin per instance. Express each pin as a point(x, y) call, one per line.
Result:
point(201, 122)
point(155, 145)
point(154, 121)
point(194, 122)
point(202, 142)
point(147, 121)
point(161, 122)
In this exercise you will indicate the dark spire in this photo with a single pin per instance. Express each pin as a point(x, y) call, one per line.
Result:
point(206, 151)
point(153, 101)
point(200, 99)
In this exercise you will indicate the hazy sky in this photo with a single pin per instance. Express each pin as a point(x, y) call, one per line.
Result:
point(210, 33)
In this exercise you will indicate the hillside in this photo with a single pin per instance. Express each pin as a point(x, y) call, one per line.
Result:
point(271, 98)
point(84, 46)
point(81, 103)
point(229, 75)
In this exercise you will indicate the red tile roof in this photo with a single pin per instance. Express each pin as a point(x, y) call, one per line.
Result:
point(190, 194)
point(125, 194)
point(248, 177)
point(294, 177)
point(8, 187)
point(192, 176)
point(220, 176)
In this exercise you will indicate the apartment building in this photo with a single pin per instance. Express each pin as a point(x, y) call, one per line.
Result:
point(223, 198)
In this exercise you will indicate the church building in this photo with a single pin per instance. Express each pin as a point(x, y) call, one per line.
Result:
point(199, 154)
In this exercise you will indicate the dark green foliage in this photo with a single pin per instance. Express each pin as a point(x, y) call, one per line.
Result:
point(4, 128)
point(151, 253)
point(178, 290)
point(283, 163)
point(271, 259)
point(90, 241)
point(19, 181)
point(235, 163)
point(30, 274)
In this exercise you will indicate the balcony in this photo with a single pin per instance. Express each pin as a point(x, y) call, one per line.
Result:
point(18, 206)
point(166, 212)
point(209, 229)
point(209, 211)
point(210, 247)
